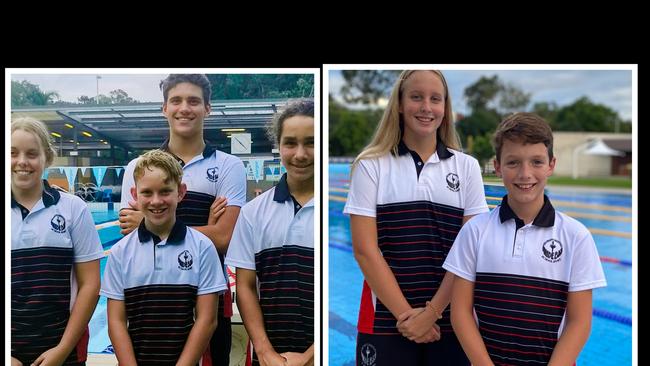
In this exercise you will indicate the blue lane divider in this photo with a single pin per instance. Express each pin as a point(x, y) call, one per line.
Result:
point(612, 316)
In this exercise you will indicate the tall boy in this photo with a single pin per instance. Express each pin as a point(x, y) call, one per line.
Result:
point(161, 280)
point(208, 173)
point(525, 269)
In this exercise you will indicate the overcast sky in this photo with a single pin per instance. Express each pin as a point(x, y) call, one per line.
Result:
point(142, 87)
point(612, 88)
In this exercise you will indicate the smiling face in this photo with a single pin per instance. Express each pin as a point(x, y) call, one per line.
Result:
point(27, 161)
point(422, 104)
point(157, 197)
point(185, 110)
point(297, 148)
point(524, 169)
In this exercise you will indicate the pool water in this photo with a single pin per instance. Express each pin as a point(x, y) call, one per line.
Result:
point(610, 342)
point(98, 327)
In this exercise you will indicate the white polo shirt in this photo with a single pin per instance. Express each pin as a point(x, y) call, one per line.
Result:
point(274, 237)
point(208, 175)
point(419, 207)
point(522, 275)
point(159, 280)
point(46, 242)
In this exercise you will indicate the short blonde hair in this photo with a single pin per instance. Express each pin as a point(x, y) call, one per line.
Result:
point(38, 128)
point(161, 160)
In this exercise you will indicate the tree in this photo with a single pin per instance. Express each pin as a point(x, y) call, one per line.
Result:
point(259, 86)
point(479, 123)
point(24, 93)
point(350, 130)
point(84, 99)
point(513, 99)
point(119, 96)
point(584, 115)
point(548, 111)
point(482, 92)
point(482, 149)
point(367, 86)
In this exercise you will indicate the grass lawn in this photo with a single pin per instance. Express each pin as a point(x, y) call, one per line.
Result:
point(604, 182)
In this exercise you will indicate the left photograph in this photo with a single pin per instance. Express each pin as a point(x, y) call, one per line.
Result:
point(163, 217)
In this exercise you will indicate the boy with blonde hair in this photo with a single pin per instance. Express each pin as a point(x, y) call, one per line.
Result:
point(161, 280)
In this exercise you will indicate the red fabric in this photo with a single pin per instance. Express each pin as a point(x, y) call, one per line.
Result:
point(82, 346)
point(367, 311)
point(227, 303)
point(249, 355)
point(206, 359)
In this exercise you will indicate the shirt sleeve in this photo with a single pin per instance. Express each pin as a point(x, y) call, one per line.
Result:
point(586, 269)
point(475, 202)
point(233, 184)
point(112, 282)
point(241, 251)
point(127, 182)
point(462, 256)
point(85, 239)
point(362, 198)
point(211, 277)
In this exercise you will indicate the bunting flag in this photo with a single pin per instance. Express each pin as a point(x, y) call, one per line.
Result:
point(46, 173)
point(118, 171)
point(258, 169)
point(83, 170)
point(71, 175)
point(99, 172)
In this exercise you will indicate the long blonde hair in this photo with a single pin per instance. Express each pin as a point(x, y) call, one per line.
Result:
point(389, 131)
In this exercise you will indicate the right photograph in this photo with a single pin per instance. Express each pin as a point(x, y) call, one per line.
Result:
point(481, 214)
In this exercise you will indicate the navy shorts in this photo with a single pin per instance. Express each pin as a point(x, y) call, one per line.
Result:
point(391, 350)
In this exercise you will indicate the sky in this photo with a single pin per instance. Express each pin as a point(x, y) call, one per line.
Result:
point(612, 88)
point(141, 87)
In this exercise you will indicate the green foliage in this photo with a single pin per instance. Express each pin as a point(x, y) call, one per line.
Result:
point(482, 92)
point(367, 86)
point(350, 131)
point(260, 86)
point(479, 123)
point(584, 115)
point(482, 149)
point(117, 96)
point(24, 93)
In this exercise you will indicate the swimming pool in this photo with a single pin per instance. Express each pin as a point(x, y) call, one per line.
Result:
point(607, 215)
point(109, 234)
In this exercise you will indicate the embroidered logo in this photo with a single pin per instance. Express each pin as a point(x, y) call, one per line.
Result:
point(185, 260)
point(213, 174)
point(368, 354)
point(452, 182)
point(552, 250)
point(58, 224)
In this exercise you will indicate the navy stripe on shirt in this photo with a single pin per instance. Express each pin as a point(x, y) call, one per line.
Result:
point(519, 316)
point(160, 319)
point(286, 280)
point(40, 300)
point(415, 238)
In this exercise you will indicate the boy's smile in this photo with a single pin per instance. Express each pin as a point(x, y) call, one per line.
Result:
point(524, 169)
point(157, 197)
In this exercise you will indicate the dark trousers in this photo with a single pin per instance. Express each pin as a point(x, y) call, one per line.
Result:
point(391, 350)
point(221, 341)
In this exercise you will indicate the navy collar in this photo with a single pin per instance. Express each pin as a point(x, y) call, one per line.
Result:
point(545, 217)
point(441, 149)
point(282, 190)
point(207, 151)
point(50, 196)
point(176, 236)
